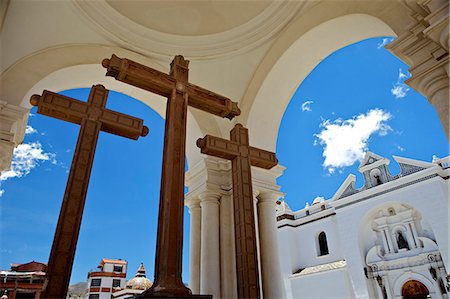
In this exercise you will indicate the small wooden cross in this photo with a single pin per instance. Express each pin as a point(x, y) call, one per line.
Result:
point(180, 93)
point(243, 156)
point(92, 117)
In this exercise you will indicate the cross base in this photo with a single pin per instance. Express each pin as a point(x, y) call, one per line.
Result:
point(170, 296)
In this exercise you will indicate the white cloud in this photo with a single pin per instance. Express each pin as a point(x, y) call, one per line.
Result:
point(25, 157)
point(384, 42)
point(402, 149)
point(399, 89)
point(30, 130)
point(346, 141)
point(306, 106)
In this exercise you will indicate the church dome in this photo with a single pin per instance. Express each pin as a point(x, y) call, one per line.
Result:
point(318, 199)
point(139, 282)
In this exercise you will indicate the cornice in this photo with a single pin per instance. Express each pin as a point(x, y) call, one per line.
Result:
point(131, 35)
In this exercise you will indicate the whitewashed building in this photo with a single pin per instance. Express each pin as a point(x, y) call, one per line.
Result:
point(110, 277)
point(388, 239)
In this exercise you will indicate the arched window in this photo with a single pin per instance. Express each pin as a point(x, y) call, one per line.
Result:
point(323, 245)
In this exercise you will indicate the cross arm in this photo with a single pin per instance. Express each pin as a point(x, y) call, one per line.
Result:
point(122, 125)
point(211, 102)
point(72, 110)
point(218, 147)
point(139, 75)
point(60, 107)
point(262, 158)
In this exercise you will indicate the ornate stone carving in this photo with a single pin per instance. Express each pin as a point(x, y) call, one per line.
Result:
point(424, 47)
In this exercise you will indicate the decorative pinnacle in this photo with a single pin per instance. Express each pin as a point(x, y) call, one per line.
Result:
point(145, 131)
point(34, 100)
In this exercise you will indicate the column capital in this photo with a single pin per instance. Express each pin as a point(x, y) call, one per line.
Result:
point(269, 197)
point(192, 202)
point(210, 196)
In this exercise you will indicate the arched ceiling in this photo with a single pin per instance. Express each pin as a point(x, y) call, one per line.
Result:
point(198, 29)
point(189, 17)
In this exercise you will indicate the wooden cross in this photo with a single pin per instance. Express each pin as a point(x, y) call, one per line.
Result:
point(243, 156)
point(92, 117)
point(180, 93)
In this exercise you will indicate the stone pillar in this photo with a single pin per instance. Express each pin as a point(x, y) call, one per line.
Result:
point(209, 244)
point(386, 247)
point(194, 247)
point(414, 231)
point(389, 240)
point(13, 121)
point(227, 248)
point(258, 247)
point(270, 259)
point(424, 47)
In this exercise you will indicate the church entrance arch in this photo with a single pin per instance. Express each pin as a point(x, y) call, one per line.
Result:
point(414, 289)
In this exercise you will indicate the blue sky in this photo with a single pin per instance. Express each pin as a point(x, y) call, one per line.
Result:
point(354, 101)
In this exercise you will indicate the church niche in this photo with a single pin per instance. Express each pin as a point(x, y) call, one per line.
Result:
point(403, 243)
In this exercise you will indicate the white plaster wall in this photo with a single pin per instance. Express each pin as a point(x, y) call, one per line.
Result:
point(329, 284)
point(286, 249)
point(306, 253)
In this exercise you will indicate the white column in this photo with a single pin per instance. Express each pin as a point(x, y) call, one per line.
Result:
point(270, 259)
point(258, 247)
point(227, 248)
point(194, 247)
point(389, 240)
point(387, 286)
point(414, 231)
point(386, 247)
point(210, 252)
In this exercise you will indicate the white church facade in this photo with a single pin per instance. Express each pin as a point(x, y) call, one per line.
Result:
point(388, 239)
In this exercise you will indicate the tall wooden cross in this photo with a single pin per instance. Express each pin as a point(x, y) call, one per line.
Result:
point(92, 117)
point(180, 93)
point(243, 156)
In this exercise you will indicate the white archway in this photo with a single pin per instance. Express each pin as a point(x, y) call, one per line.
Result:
point(402, 279)
point(294, 65)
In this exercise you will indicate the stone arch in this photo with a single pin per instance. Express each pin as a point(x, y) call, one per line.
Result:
point(263, 115)
point(407, 276)
point(78, 66)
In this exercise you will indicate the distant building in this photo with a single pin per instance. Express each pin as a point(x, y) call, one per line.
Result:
point(387, 239)
point(23, 280)
point(110, 277)
point(135, 286)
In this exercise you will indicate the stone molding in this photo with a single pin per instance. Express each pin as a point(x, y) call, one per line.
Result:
point(245, 37)
point(6, 151)
point(321, 268)
point(424, 47)
point(214, 174)
point(13, 122)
